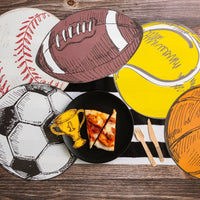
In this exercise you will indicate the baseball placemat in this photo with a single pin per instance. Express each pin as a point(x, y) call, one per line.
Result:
point(22, 32)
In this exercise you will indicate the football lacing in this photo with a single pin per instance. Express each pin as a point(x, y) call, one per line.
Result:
point(70, 31)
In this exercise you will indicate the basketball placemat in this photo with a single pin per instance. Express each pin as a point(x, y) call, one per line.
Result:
point(165, 65)
point(22, 32)
point(182, 131)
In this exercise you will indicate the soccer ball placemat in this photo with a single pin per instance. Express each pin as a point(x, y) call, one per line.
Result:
point(28, 149)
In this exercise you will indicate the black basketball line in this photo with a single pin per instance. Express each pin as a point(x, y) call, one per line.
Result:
point(172, 146)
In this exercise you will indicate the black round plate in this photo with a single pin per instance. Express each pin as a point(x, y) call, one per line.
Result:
point(104, 102)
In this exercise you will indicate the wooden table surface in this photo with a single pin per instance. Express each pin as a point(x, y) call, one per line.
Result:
point(100, 181)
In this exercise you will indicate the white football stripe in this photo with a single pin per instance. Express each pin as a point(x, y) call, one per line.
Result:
point(57, 41)
point(48, 58)
point(70, 31)
point(83, 27)
point(64, 35)
point(113, 31)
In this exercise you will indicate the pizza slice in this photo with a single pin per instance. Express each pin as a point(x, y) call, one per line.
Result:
point(106, 139)
point(95, 121)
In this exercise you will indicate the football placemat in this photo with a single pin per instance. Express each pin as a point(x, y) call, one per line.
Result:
point(89, 45)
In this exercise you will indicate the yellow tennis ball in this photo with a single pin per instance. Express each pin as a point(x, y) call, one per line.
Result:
point(165, 65)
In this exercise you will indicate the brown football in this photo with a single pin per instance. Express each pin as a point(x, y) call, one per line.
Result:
point(89, 45)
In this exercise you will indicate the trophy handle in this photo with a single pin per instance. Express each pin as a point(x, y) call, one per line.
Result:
point(55, 132)
point(79, 111)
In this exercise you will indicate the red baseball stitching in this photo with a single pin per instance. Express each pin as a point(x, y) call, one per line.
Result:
point(4, 87)
point(23, 52)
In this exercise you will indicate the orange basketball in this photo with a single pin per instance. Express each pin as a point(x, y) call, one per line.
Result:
point(182, 131)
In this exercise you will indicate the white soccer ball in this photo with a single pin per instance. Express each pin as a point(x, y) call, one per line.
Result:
point(28, 149)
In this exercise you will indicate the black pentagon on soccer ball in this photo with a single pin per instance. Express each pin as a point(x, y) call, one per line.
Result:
point(26, 166)
point(8, 120)
point(44, 89)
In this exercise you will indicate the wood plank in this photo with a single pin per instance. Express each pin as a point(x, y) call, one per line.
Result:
point(107, 172)
point(88, 171)
point(101, 189)
point(183, 11)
